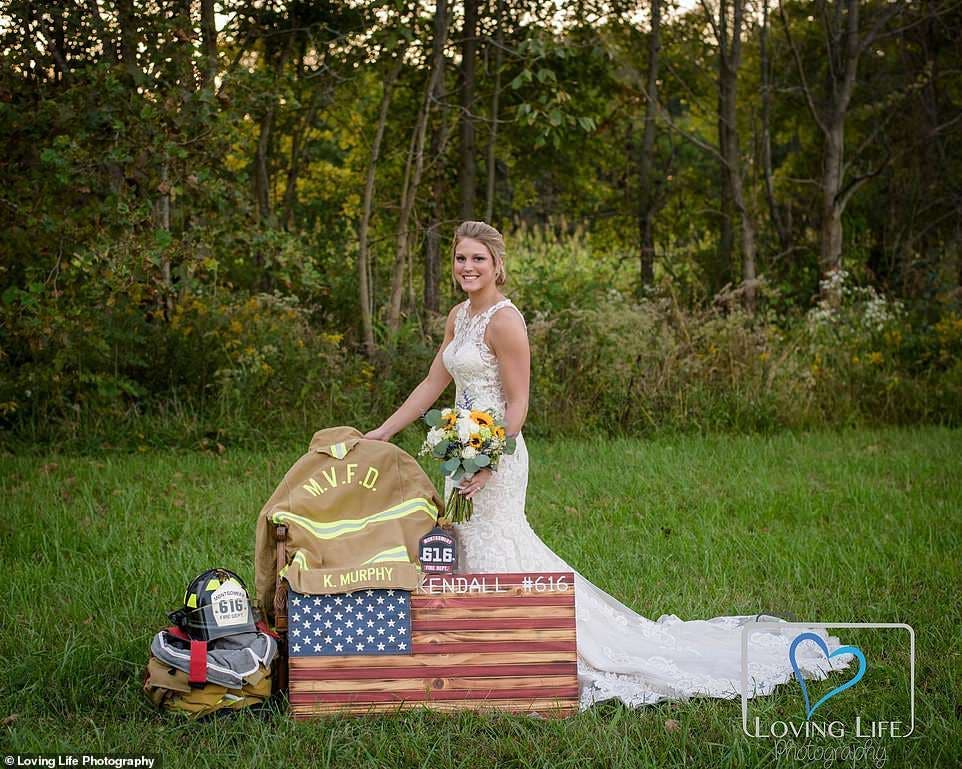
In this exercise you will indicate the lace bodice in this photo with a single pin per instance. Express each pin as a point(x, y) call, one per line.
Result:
point(477, 376)
point(621, 654)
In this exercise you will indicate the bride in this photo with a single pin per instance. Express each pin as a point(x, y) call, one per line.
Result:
point(621, 654)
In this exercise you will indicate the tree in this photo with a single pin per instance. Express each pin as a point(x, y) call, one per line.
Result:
point(646, 205)
point(469, 44)
point(845, 40)
point(413, 169)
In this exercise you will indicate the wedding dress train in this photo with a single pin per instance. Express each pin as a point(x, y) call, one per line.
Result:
point(621, 654)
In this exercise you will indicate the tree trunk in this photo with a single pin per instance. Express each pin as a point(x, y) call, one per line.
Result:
point(468, 48)
point(364, 288)
point(262, 179)
point(781, 231)
point(412, 174)
point(261, 174)
point(294, 166)
point(646, 207)
point(208, 29)
point(162, 214)
point(833, 152)
point(496, 95)
point(433, 236)
point(731, 62)
point(720, 275)
point(127, 21)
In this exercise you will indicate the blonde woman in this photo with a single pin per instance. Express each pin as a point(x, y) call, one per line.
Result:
point(621, 654)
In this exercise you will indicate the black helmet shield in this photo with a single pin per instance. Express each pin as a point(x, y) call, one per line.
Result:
point(216, 605)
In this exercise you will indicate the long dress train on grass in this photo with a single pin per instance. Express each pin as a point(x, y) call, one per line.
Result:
point(621, 654)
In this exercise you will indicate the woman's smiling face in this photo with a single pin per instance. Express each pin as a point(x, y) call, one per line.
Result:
point(474, 268)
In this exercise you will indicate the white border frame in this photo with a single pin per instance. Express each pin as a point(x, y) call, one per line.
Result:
point(751, 627)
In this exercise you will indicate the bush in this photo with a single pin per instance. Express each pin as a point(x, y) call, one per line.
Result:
point(632, 367)
point(106, 357)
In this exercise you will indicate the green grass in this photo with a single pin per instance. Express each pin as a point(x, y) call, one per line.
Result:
point(852, 526)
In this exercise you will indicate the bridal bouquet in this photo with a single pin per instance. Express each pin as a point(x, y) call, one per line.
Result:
point(464, 441)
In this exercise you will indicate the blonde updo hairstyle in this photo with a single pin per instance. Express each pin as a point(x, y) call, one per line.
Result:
point(492, 240)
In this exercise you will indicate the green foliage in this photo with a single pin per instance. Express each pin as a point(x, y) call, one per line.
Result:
point(240, 367)
point(626, 367)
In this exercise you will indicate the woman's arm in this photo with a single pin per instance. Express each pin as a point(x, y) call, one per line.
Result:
point(424, 395)
point(509, 343)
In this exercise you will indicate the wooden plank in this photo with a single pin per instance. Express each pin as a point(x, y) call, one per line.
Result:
point(492, 624)
point(494, 646)
point(549, 708)
point(517, 686)
point(532, 634)
point(487, 600)
point(428, 660)
point(487, 612)
point(303, 674)
point(546, 692)
point(504, 591)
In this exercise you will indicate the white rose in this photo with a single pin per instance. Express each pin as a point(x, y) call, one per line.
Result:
point(464, 432)
point(435, 435)
point(468, 452)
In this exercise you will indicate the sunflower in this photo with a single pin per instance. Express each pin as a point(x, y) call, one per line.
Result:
point(449, 420)
point(475, 441)
point(483, 418)
point(499, 432)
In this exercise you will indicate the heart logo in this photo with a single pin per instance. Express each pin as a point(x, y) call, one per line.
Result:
point(820, 642)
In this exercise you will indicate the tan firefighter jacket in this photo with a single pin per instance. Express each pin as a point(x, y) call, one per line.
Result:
point(355, 510)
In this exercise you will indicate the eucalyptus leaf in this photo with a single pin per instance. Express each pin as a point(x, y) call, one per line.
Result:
point(441, 449)
point(470, 466)
point(482, 460)
point(433, 417)
point(450, 465)
point(510, 445)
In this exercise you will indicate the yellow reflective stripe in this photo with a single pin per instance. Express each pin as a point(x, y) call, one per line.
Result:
point(192, 602)
point(334, 529)
point(299, 558)
point(399, 553)
point(213, 584)
point(339, 450)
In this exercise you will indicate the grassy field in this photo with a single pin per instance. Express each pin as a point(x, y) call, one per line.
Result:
point(854, 526)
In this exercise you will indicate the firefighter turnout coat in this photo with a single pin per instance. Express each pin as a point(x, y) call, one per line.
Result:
point(355, 510)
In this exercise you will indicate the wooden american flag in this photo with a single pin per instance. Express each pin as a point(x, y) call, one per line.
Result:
point(479, 642)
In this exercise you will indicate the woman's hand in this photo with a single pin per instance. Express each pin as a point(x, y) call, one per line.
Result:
point(380, 434)
point(471, 486)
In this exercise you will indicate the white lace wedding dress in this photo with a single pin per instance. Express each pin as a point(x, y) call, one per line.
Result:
point(621, 654)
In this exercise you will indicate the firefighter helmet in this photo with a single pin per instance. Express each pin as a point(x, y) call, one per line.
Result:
point(216, 605)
